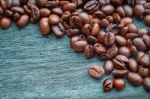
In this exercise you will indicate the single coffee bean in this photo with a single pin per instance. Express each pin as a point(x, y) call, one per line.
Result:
point(99, 14)
point(79, 46)
point(99, 48)
point(104, 23)
point(120, 40)
point(119, 84)
point(84, 17)
point(128, 10)
point(45, 12)
point(120, 11)
point(108, 66)
point(120, 62)
point(147, 19)
point(124, 51)
point(142, 31)
point(72, 32)
point(86, 29)
point(135, 79)
point(3, 4)
point(132, 28)
point(18, 9)
point(41, 3)
point(144, 72)
point(146, 40)
point(139, 55)
point(125, 21)
point(92, 40)
point(66, 15)
point(23, 21)
point(145, 60)
point(57, 11)
point(89, 51)
point(16, 16)
point(77, 2)
point(100, 36)
point(35, 13)
point(108, 85)
point(96, 71)
point(111, 52)
point(138, 11)
point(44, 26)
point(54, 19)
point(52, 4)
point(75, 21)
point(131, 35)
point(119, 73)
point(5, 23)
point(109, 39)
point(69, 7)
point(17, 2)
point(104, 2)
point(140, 45)
point(146, 83)
point(58, 30)
point(108, 9)
point(95, 29)
point(132, 64)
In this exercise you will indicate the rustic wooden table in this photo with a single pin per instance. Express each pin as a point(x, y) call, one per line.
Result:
point(37, 67)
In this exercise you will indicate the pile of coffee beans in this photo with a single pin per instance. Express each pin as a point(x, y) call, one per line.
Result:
point(101, 28)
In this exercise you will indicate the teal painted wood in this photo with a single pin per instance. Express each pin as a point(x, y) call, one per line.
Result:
point(37, 67)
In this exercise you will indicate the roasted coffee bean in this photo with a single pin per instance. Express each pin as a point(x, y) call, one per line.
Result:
point(124, 30)
point(41, 3)
point(104, 23)
point(109, 39)
point(86, 29)
point(57, 11)
point(99, 14)
point(44, 26)
point(138, 11)
point(77, 2)
point(91, 6)
point(96, 71)
point(120, 11)
point(8, 13)
point(145, 60)
point(128, 10)
point(108, 85)
point(18, 9)
point(89, 51)
point(66, 15)
point(44, 12)
point(108, 9)
point(79, 46)
point(124, 51)
point(132, 28)
point(95, 30)
point(131, 35)
point(119, 84)
point(120, 62)
point(120, 40)
point(84, 17)
point(69, 7)
point(125, 21)
point(147, 19)
point(35, 13)
point(140, 45)
point(144, 72)
point(135, 79)
point(5, 23)
point(54, 19)
point(108, 66)
point(92, 40)
point(104, 2)
point(146, 83)
point(142, 32)
point(111, 52)
point(72, 32)
point(99, 48)
point(16, 16)
point(100, 36)
point(119, 73)
point(75, 21)
point(146, 40)
point(18, 3)
point(132, 64)
point(51, 4)
point(116, 2)
point(58, 30)
point(139, 55)
point(3, 4)
point(23, 21)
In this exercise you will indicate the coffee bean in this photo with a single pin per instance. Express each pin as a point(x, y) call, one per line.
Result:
point(51, 4)
point(132, 28)
point(18, 9)
point(35, 13)
point(96, 71)
point(23, 21)
point(95, 29)
point(77, 2)
point(146, 40)
point(139, 55)
point(100, 36)
point(132, 64)
point(44, 26)
point(109, 39)
point(41, 3)
point(125, 21)
point(144, 72)
point(138, 11)
point(44, 12)
point(58, 30)
point(75, 21)
point(119, 73)
point(140, 45)
point(104, 23)
point(124, 51)
point(120, 11)
point(120, 40)
point(128, 10)
point(104, 2)
point(108, 85)
point(79, 46)
point(84, 17)
point(119, 84)
point(69, 7)
point(72, 32)
point(86, 29)
point(108, 9)
point(1, 11)
point(57, 11)
point(135, 79)
point(111, 52)
point(147, 19)
point(16, 16)
point(146, 83)
point(5, 23)
point(108, 66)
point(92, 40)
point(66, 15)
point(89, 51)
point(99, 48)
point(54, 19)
point(145, 60)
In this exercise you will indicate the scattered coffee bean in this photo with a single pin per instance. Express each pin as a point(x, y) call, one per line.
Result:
point(108, 84)
point(119, 84)
point(5, 23)
point(108, 66)
point(146, 83)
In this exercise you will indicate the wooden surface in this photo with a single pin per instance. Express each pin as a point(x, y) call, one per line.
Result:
point(37, 67)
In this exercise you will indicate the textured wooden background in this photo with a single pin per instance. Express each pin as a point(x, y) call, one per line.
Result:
point(37, 67)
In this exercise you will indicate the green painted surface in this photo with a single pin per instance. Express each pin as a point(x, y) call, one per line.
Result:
point(37, 67)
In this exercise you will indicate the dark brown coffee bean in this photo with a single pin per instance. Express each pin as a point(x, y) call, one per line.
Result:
point(145, 60)
point(142, 32)
point(51, 4)
point(132, 28)
point(54, 19)
point(41, 3)
point(92, 40)
point(128, 10)
point(72, 32)
point(35, 13)
point(16, 16)
point(44, 12)
point(77, 2)
point(133, 50)
point(18, 9)
point(95, 29)
point(79, 46)
point(104, 23)
point(146, 83)
point(89, 51)
point(104, 2)
point(120, 11)
point(96, 71)
point(58, 30)
point(135, 79)
point(69, 7)
point(144, 72)
point(99, 48)
point(108, 66)
point(116, 2)
point(75, 21)
point(91, 6)
point(84, 17)
point(132, 64)
point(108, 9)
point(139, 55)
point(57, 11)
point(119, 73)
point(147, 19)
point(23, 21)
point(66, 15)
point(121, 40)
point(119, 84)
point(8, 13)
point(5, 23)
point(100, 36)
point(125, 21)
point(124, 30)
point(111, 52)
point(109, 39)
point(146, 40)
point(140, 45)
point(131, 35)
point(124, 51)
point(138, 11)
point(86, 29)
point(3, 4)
point(44, 26)
point(120, 62)
point(108, 85)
